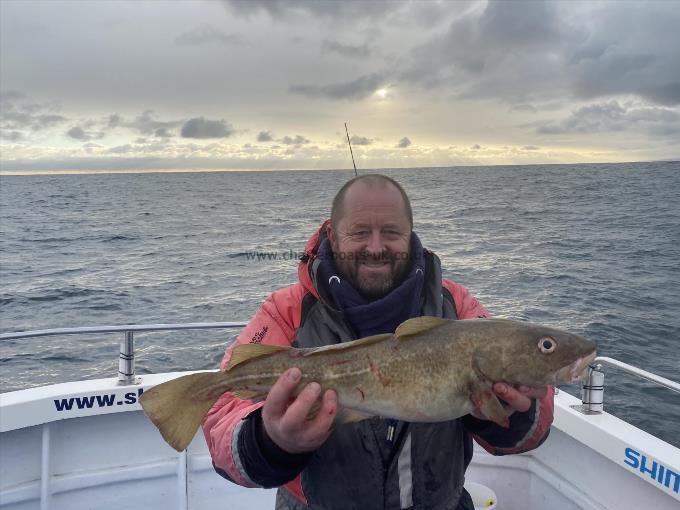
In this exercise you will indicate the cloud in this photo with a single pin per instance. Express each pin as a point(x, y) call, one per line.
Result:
point(540, 51)
point(360, 140)
point(19, 116)
point(530, 148)
point(335, 11)
point(345, 50)
point(147, 125)
point(162, 133)
point(264, 136)
point(12, 136)
point(403, 143)
point(357, 89)
point(115, 120)
point(78, 133)
point(612, 116)
point(202, 128)
point(205, 34)
point(476, 147)
point(298, 140)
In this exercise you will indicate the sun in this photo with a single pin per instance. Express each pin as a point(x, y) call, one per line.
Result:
point(381, 93)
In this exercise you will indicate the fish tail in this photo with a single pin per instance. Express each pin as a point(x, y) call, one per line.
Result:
point(177, 407)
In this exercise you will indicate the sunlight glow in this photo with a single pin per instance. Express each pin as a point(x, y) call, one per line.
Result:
point(381, 93)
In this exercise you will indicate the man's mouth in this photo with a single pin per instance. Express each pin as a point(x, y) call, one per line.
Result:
point(375, 263)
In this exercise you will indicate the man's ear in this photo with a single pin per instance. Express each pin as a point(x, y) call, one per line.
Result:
point(330, 234)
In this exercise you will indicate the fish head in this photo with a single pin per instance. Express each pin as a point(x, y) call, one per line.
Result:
point(530, 354)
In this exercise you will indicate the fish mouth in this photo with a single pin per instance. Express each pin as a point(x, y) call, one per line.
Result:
point(574, 372)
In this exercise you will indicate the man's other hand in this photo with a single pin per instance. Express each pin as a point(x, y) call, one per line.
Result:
point(514, 398)
point(285, 417)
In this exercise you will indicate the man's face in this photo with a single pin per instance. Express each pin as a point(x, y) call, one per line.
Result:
point(371, 241)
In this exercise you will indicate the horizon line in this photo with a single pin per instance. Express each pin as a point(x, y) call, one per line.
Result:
point(15, 173)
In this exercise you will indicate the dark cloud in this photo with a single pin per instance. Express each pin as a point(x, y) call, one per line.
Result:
point(360, 88)
point(146, 124)
point(360, 140)
point(524, 52)
point(78, 133)
point(530, 148)
point(264, 136)
point(476, 147)
point(298, 140)
point(203, 128)
point(11, 136)
point(205, 34)
point(115, 120)
point(21, 116)
point(613, 116)
point(403, 143)
point(163, 133)
point(335, 11)
point(346, 50)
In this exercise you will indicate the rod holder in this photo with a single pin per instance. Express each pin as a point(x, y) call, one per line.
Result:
point(126, 363)
point(592, 393)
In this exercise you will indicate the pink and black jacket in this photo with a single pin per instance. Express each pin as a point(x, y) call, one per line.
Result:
point(422, 466)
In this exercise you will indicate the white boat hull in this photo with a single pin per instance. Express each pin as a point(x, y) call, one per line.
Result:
point(110, 456)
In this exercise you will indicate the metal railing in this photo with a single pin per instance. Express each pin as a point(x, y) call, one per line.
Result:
point(592, 391)
point(126, 362)
point(592, 396)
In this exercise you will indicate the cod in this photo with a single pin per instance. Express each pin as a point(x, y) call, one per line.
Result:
point(429, 370)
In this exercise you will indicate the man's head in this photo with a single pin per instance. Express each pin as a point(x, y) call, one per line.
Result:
point(370, 233)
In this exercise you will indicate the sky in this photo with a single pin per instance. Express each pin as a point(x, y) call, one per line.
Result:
point(236, 85)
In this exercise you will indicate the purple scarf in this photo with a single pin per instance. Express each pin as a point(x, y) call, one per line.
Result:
point(382, 315)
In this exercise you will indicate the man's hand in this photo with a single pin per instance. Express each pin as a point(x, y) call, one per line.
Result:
point(516, 399)
point(285, 417)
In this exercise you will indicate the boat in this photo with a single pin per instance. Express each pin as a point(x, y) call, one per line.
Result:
point(88, 445)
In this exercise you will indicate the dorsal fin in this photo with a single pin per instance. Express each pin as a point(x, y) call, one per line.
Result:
point(346, 345)
point(249, 351)
point(419, 325)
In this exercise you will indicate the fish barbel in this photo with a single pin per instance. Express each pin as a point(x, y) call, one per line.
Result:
point(429, 370)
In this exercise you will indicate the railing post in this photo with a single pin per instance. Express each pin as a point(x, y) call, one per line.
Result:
point(126, 363)
point(592, 395)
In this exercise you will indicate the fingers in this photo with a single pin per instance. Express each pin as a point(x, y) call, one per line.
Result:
point(537, 392)
point(280, 394)
point(300, 408)
point(287, 423)
point(515, 399)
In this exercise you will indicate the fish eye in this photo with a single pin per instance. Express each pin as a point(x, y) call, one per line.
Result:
point(547, 345)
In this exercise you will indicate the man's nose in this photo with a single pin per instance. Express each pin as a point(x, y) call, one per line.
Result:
point(375, 243)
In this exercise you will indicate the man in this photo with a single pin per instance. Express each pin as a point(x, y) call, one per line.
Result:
point(364, 272)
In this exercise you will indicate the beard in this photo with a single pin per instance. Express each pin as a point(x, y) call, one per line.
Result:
point(374, 286)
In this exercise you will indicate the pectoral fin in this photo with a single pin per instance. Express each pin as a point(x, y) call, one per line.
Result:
point(488, 404)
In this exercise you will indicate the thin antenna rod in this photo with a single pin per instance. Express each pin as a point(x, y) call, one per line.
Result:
point(350, 151)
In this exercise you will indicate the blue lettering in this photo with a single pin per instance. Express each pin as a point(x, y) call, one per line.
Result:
point(106, 400)
point(632, 457)
point(63, 404)
point(130, 398)
point(644, 469)
point(667, 481)
point(85, 402)
point(660, 477)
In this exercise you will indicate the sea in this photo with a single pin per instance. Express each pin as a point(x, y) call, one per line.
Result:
point(592, 248)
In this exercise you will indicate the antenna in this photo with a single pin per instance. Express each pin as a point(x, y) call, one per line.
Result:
point(350, 151)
